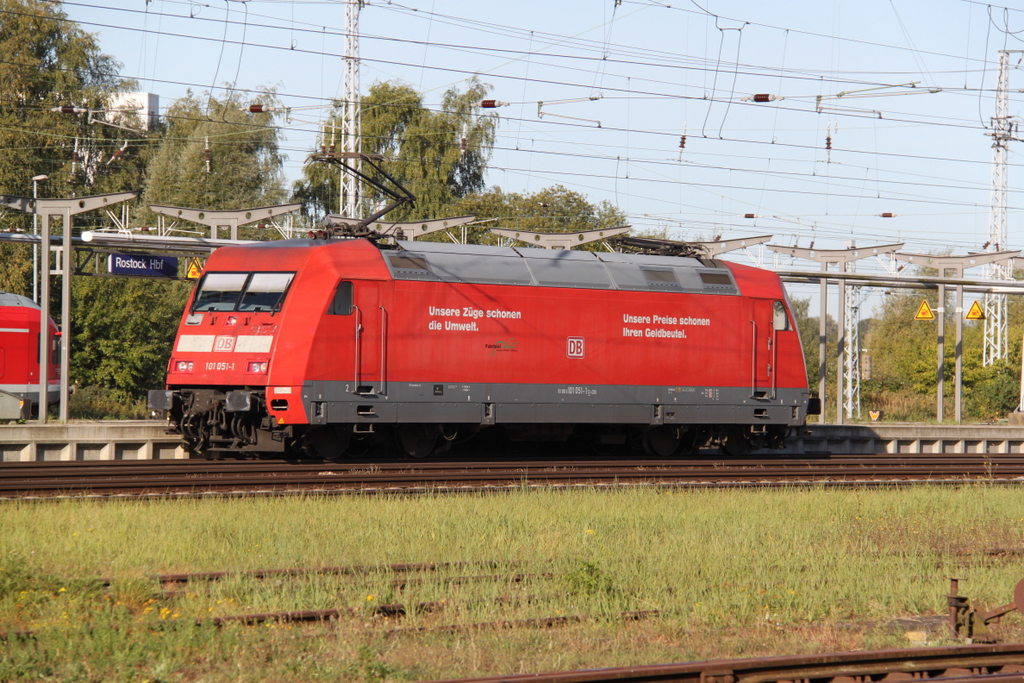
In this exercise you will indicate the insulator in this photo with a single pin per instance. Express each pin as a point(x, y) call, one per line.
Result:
point(750, 215)
point(887, 214)
point(762, 97)
point(492, 104)
point(828, 142)
point(682, 142)
point(463, 144)
point(258, 109)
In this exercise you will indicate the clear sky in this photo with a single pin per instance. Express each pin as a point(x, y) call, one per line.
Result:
point(649, 72)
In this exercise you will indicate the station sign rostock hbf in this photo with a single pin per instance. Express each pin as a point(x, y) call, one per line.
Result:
point(142, 265)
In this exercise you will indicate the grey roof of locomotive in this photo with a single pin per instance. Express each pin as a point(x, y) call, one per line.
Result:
point(8, 299)
point(482, 264)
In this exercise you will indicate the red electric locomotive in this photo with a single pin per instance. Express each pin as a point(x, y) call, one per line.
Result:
point(19, 354)
point(317, 346)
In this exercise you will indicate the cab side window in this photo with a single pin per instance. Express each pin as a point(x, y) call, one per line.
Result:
point(780, 321)
point(342, 303)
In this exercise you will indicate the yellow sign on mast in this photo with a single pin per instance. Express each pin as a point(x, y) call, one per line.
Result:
point(924, 311)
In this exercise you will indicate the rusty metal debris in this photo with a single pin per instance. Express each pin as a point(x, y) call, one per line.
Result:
point(304, 571)
point(971, 623)
point(400, 610)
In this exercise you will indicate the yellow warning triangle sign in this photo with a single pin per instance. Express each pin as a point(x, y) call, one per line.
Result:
point(194, 269)
point(924, 311)
point(975, 313)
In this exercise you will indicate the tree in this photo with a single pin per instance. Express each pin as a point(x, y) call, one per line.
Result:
point(440, 156)
point(553, 209)
point(216, 155)
point(124, 328)
point(49, 62)
point(904, 362)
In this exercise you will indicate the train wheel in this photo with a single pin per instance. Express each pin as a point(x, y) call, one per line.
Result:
point(662, 440)
point(417, 440)
point(330, 443)
point(736, 443)
point(689, 441)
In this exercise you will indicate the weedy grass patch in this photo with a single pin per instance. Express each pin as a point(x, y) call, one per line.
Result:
point(714, 574)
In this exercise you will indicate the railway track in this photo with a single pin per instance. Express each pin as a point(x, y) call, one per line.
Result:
point(965, 664)
point(204, 478)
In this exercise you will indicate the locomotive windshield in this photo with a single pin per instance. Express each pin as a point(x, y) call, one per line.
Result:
point(241, 291)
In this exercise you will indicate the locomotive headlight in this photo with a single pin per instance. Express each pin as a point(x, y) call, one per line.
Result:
point(257, 366)
point(183, 365)
point(231, 320)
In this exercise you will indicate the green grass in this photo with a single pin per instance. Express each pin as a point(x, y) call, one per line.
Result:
point(734, 573)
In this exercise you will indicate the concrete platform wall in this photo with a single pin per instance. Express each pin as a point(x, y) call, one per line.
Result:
point(106, 440)
point(148, 440)
point(908, 438)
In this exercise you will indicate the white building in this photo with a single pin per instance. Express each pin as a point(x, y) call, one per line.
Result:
point(144, 104)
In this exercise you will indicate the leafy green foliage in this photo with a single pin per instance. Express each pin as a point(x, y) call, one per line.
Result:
point(553, 209)
point(424, 149)
point(50, 62)
point(16, 269)
point(245, 165)
point(123, 331)
point(904, 355)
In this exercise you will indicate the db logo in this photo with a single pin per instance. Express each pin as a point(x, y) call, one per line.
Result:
point(574, 347)
point(224, 343)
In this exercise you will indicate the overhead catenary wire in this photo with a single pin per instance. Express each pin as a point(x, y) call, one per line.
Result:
point(728, 138)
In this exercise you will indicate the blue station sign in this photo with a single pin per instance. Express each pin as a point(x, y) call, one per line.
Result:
point(142, 266)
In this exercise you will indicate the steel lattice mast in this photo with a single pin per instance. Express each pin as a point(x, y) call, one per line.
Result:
point(851, 360)
point(350, 111)
point(996, 345)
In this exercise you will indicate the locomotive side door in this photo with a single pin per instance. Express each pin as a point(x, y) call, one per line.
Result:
point(762, 353)
point(365, 326)
point(369, 334)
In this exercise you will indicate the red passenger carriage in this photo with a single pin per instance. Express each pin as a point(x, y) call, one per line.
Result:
point(19, 353)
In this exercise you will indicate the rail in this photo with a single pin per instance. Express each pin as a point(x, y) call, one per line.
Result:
point(265, 477)
point(963, 664)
